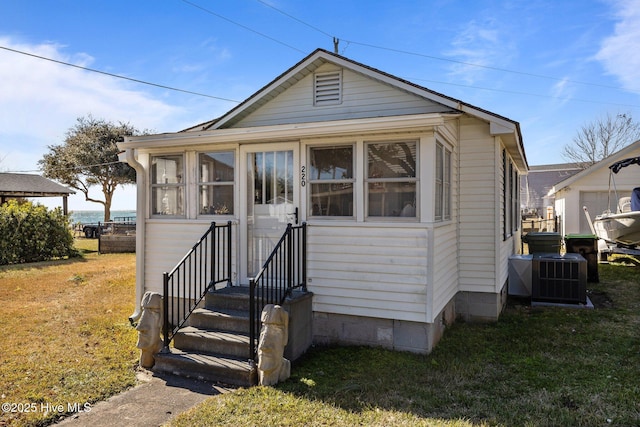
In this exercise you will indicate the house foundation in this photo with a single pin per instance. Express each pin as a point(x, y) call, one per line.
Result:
point(480, 306)
point(400, 335)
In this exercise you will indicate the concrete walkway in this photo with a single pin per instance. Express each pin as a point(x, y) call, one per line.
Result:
point(153, 402)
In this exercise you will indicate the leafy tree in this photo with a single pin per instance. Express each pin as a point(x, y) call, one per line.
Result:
point(89, 157)
point(601, 138)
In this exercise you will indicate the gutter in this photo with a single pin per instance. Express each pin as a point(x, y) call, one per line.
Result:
point(130, 158)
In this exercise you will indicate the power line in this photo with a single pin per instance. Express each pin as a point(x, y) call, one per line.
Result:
point(487, 67)
point(241, 25)
point(437, 58)
point(72, 167)
point(296, 19)
point(523, 93)
point(116, 75)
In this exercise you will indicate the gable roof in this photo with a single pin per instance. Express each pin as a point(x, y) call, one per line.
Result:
point(604, 163)
point(536, 184)
point(507, 128)
point(28, 185)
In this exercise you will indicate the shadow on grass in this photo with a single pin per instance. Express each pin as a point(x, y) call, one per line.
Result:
point(44, 264)
point(535, 366)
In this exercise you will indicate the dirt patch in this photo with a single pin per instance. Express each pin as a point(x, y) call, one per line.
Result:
point(600, 299)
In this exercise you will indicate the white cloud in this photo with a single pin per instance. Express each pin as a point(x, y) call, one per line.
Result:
point(562, 91)
point(478, 45)
point(619, 52)
point(40, 100)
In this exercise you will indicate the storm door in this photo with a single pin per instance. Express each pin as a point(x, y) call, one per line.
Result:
point(272, 200)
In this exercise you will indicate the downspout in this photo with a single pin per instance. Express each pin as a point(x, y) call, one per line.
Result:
point(141, 186)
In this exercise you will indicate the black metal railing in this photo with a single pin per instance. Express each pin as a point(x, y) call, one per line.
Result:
point(284, 271)
point(207, 264)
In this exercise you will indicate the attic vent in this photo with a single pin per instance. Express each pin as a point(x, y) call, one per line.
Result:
point(328, 88)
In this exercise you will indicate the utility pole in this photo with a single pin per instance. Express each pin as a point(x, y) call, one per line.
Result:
point(336, 42)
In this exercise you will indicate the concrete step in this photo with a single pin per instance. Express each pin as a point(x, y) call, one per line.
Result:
point(212, 341)
point(230, 298)
point(220, 319)
point(208, 367)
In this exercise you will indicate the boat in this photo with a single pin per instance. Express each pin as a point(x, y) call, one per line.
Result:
point(620, 228)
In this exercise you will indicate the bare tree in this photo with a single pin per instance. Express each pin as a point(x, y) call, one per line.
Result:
point(601, 138)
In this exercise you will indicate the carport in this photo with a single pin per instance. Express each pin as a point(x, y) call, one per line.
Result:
point(20, 185)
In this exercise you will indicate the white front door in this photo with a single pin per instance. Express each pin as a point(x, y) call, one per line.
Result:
point(271, 191)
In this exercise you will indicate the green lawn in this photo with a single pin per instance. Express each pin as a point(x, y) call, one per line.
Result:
point(66, 336)
point(535, 367)
point(66, 339)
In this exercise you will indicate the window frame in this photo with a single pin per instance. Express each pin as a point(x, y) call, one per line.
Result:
point(180, 186)
point(231, 183)
point(510, 196)
point(311, 181)
point(442, 199)
point(515, 200)
point(415, 180)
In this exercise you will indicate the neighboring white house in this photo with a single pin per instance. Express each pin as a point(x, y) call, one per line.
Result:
point(411, 198)
point(590, 188)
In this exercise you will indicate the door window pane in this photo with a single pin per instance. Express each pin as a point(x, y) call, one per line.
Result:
point(272, 180)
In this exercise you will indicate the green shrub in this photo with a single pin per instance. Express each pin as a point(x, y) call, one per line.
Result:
point(30, 233)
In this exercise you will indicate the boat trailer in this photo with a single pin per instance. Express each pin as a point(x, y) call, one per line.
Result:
point(608, 247)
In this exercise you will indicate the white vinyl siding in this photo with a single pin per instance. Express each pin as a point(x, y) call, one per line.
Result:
point(166, 244)
point(445, 267)
point(480, 197)
point(378, 272)
point(361, 97)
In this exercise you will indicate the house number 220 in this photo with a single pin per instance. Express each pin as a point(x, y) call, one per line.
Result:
point(303, 176)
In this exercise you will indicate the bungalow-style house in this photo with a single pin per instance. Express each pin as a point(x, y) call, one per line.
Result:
point(590, 188)
point(410, 199)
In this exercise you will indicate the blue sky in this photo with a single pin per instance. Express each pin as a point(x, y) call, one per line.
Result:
point(552, 65)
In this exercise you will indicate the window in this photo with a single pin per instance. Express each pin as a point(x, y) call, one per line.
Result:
point(391, 179)
point(515, 199)
point(331, 180)
point(327, 88)
point(443, 183)
point(216, 179)
point(510, 196)
point(506, 223)
point(167, 185)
